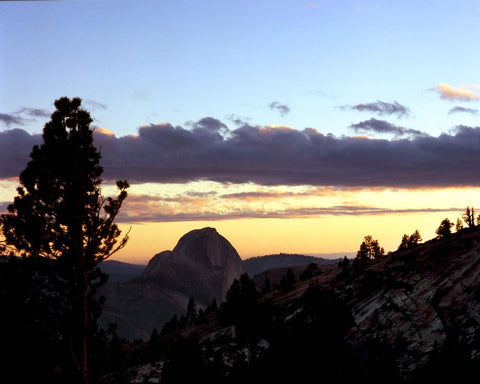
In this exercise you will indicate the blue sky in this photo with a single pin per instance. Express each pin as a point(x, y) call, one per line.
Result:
point(238, 114)
point(141, 62)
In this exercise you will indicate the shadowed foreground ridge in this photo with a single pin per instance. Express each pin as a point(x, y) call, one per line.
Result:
point(421, 305)
point(412, 316)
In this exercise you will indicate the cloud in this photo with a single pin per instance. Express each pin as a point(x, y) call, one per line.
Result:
point(462, 110)
point(209, 126)
point(9, 119)
point(272, 156)
point(463, 93)
point(15, 147)
point(283, 109)
point(237, 120)
point(381, 108)
point(263, 196)
point(92, 104)
point(382, 126)
point(144, 208)
point(22, 116)
point(34, 112)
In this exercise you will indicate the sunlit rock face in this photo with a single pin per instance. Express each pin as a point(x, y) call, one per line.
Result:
point(418, 301)
point(202, 265)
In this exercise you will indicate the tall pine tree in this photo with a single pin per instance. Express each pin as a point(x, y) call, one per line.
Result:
point(60, 214)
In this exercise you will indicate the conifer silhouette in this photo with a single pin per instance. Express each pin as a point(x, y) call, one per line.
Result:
point(60, 214)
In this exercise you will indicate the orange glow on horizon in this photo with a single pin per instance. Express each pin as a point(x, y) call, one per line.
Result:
point(260, 220)
point(310, 236)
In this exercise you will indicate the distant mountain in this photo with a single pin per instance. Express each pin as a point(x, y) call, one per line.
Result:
point(120, 272)
point(202, 265)
point(256, 265)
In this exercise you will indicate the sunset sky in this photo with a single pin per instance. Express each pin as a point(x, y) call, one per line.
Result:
point(290, 126)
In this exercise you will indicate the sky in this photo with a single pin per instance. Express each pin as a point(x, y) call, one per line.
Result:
point(290, 126)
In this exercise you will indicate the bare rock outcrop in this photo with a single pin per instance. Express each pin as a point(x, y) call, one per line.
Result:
point(202, 265)
point(418, 301)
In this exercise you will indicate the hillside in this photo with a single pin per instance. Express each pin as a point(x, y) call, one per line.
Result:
point(409, 316)
point(256, 265)
point(119, 272)
point(139, 298)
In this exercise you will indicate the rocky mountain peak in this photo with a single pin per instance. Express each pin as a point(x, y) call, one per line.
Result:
point(203, 264)
point(207, 247)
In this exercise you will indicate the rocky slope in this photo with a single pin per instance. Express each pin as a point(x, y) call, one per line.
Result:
point(410, 315)
point(415, 304)
point(202, 265)
point(419, 301)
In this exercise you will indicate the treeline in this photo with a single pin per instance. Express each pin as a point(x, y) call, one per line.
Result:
point(241, 297)
point(466, 221)
point(264, 345)
point(370, 248)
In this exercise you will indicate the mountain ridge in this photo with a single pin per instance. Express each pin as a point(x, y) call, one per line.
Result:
point(411, 316)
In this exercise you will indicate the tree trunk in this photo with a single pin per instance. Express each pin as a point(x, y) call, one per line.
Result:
point(80, 270)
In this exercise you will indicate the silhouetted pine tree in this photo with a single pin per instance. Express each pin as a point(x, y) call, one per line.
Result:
point(469, 217)
point(60, 214)
point(444, 230)
point(191, 311)
point(369, 250)
point(267, 286)
point(309, 272)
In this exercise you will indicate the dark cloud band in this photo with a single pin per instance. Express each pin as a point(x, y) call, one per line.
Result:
point(272, 156)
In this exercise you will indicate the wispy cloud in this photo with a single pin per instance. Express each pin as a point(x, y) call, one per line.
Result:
point(9, 119)
point(382, 126)
point(33, 112)
point(463, 110)
point(283, 109)
point(144, 211)
point(462, 93)
point(92, 104)
point(22, 116)
point(261, 195)
point(381, 108)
